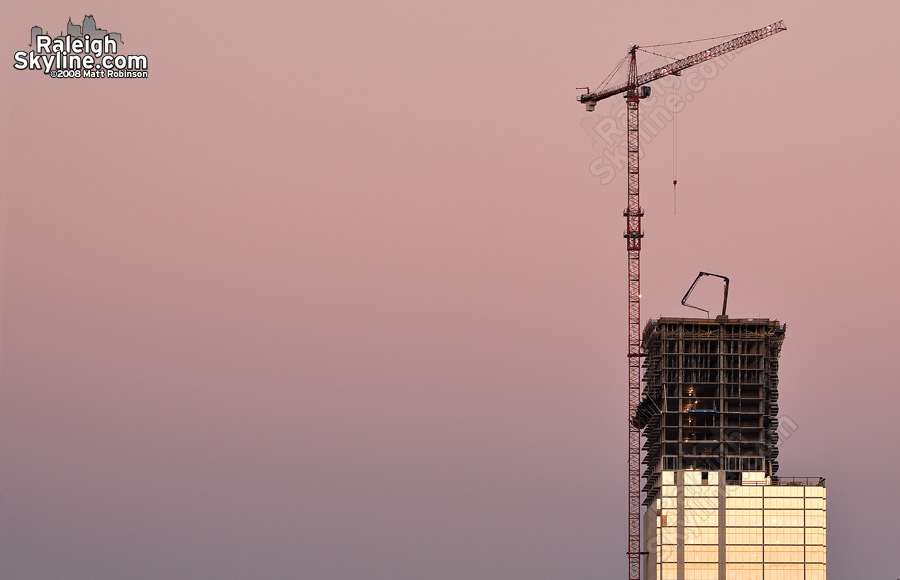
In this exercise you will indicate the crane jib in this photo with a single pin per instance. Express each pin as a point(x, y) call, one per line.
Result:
point(688, 61)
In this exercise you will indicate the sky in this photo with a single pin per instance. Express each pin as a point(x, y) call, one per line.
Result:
point(339, 291)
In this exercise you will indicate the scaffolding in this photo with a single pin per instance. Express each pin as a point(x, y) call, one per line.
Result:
point(710, 397)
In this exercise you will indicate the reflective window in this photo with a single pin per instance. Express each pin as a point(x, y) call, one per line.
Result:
point(785, 571)
point(743, 491)
point(753, 476)
point(815, 518)
point(744, 503)
point(668, 535)
point(784, 536)
point(666, 502)
point(782, 518)
point(708, 535)
point(701, 491)
point(701, 554)
point(701, 517)
point(815, 554)
point(701, 503)
point(743, 536)
point(701, 571)
point(816, 503)
point(743, 518)
point(743, 572)
point(783, 553)
point(743, 553)
point(783, 502)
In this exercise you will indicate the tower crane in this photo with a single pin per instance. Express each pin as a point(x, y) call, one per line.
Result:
point(635, 90)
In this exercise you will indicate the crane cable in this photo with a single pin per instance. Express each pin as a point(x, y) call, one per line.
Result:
point(696, 40)
point(675, 151)
point(609, 77)
point(674, 122)
point(672, 58)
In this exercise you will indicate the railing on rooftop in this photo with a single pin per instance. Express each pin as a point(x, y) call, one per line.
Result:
point(778, 480)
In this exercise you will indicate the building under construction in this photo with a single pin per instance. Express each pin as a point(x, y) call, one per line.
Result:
point(716, 507)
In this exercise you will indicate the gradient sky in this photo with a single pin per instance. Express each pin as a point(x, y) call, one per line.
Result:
point(334, 295)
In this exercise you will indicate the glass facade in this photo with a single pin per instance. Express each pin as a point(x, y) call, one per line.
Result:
point(701, 527)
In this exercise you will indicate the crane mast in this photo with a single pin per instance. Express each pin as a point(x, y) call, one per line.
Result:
point(634, 91)
point(633, 236)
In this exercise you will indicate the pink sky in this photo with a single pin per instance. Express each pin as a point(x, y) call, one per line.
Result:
point(334, 294)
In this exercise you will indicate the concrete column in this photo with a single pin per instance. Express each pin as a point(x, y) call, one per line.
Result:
point(722, 522)
point(679, 481)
